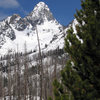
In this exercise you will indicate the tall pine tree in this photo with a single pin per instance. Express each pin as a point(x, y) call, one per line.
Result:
point(81, 76)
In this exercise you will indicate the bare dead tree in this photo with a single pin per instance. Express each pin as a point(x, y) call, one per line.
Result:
point(9, 77)
point(1, 85)
point(30, 88)
point(4, 84)
point(26, 73)
point(46, 81)
point(15, 83)
point(55, 68)
point(41, 67)
point(18, 77)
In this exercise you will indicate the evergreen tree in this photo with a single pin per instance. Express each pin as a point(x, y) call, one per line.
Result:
point(81, 75)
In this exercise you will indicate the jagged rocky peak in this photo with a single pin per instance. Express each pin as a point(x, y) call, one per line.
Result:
point(40, 13)
point(6, 30)
point(41, 6)
point(18, 23)
point(15, 17)
point(12, 18)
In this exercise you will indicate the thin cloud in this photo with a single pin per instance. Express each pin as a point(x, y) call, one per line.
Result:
point(5, 4)
point(23, 11)
point(9, 4)
point(2, 16)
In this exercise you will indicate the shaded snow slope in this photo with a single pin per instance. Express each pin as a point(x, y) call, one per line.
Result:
point(49, 35)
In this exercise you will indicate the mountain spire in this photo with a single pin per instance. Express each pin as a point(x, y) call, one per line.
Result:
point(39, 14)
point(41, 6)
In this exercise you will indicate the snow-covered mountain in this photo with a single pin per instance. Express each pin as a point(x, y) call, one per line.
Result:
point(23, 69)
point(16, 31)
point(20, 34)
